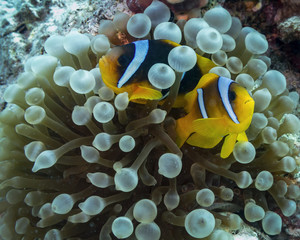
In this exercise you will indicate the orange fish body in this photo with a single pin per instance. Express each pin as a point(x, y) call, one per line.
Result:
point(125, 69)
point(217, 107)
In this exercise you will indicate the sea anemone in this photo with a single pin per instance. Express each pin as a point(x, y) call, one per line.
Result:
point(78, 161)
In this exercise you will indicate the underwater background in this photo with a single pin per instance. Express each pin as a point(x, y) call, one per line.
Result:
point(26, 24)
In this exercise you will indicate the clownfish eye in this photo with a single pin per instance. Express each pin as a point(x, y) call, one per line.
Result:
point(123, 60)
point(231, 95)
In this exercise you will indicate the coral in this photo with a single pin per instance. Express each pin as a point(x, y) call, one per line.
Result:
point(290, 29)
point(25, 25)
point(178, 6)
point(138, 6)
point(79, 161)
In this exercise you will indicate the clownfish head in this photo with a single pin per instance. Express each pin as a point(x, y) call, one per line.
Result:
point(113, 65)
point(242, 105)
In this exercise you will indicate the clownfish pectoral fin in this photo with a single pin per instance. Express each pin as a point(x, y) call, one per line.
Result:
point(242, 137)
point(210, 126)
point(203, 141)
point(228, 145)
point(145, 93)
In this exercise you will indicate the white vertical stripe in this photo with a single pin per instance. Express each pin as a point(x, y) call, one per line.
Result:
point(201, 103)
point(223, 87)
point(140, 53)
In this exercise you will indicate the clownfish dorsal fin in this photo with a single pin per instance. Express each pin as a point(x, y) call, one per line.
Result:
point(228, 145)
point(206, 79)
point(145, 93)
point(203, 141)
point(212, 127)
point(170, 42)
point(204, 64)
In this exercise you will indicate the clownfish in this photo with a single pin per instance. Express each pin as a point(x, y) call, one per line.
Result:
point(216, 108)
point(125, 69)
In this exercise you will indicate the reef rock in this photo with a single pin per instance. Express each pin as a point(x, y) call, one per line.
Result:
point(26, 24)
point(290, 29)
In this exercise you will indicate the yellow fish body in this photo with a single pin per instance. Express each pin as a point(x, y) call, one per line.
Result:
point(217, 107)
point(125, 69)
